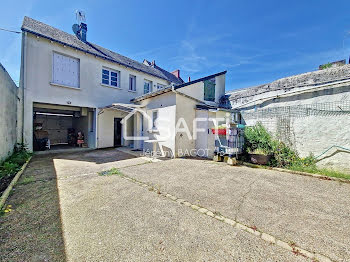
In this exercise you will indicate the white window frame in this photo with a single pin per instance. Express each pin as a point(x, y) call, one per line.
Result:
point(110, 71)
point(57, 83)
point(132, 88)
point(160, 86)
point(150, 86)
point(154, 120)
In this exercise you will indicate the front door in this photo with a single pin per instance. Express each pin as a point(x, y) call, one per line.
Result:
point(117, 132)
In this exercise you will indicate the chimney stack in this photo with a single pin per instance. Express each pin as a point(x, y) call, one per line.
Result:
point(153, 63)
point(176, 73)
point(189, 79)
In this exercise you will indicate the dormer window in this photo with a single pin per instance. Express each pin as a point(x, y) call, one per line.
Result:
point(209, 90)
point(110, 77)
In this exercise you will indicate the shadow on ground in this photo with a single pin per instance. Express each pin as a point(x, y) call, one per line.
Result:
point(32, 230)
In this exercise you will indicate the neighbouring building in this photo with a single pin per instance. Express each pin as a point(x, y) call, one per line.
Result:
point(8, 114)
point(310, 112)
point(70, 84)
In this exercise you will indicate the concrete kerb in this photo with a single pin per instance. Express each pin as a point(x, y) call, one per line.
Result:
point(236, 224)
point(6, 193)
point(298, 173)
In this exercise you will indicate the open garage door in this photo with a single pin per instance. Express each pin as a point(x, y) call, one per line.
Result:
point(60, 127)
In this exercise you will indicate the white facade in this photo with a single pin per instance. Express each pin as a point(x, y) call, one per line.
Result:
point(39, 86)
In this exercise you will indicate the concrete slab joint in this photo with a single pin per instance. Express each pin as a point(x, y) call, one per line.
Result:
point(233, 222)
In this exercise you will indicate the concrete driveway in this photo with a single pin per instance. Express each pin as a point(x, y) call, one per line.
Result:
point(118, 218)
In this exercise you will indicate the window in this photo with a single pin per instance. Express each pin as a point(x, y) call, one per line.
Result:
point(209, 90)
point(65, 70)
point(154, 118)
point(132, 83)
point(147, 87)
point(160, 86)
point(111, 78)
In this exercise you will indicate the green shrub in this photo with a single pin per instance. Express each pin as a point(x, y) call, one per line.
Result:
point(14, 162)
point(258, 140)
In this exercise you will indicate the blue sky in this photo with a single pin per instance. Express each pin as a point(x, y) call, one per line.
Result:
point(255, 41)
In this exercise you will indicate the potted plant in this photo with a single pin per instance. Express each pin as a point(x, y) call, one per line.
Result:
point(260, 156)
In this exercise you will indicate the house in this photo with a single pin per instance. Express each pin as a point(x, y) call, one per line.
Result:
point(70, 84)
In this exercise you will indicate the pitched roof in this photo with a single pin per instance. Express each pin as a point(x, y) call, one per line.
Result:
point(43, 30)
point(170, 88)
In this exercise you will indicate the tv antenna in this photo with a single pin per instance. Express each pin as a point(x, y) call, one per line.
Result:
point(80, 16)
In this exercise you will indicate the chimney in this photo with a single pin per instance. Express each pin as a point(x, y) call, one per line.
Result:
point(153, 63)
point(83, 31)
point(176, 73)
point(189, 79)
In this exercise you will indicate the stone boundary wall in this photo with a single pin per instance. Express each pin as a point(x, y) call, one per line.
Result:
point(309, 118)
point(8, 114)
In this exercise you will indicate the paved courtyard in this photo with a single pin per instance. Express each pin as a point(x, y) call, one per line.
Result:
point(118, 218)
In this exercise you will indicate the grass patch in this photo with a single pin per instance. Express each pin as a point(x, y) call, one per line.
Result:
point(27, 180)
point(320, 171)
point(111, 172)
point(13, 163)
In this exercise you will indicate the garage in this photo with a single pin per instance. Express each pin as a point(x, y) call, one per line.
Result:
point(62, 127)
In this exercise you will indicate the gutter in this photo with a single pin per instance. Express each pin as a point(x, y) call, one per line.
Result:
point(294, 92)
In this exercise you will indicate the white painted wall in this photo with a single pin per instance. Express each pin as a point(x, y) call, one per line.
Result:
point(185, 109)
point(311, 134)
point(37, 76)
point(105, 127)
point(165, 104)
point(8, 114)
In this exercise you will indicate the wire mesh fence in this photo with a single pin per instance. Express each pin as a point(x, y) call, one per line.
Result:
point(297, 111)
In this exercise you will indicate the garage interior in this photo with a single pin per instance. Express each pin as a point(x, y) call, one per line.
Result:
point(62, 127)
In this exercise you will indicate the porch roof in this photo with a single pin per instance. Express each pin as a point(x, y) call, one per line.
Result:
point(122, 107)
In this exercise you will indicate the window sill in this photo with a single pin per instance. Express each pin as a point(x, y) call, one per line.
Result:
point(60, 85)
point(132, 91)
point(153, 131)
point(115, 87)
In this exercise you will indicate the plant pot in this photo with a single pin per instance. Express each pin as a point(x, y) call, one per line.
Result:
point(219, 131)
point(259, 159)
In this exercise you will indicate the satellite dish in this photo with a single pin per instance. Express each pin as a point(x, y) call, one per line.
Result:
point(75, 29)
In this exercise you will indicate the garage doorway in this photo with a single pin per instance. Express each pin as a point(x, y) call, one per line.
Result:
point(57, 127)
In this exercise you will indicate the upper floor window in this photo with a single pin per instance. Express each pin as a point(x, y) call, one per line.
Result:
point(160, 86)
point(110, 77)
point(132, 83)
point(147, 87)
point(209, 90)
point(66, 70)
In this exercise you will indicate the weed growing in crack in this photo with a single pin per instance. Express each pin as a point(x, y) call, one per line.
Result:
point(111, 172)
